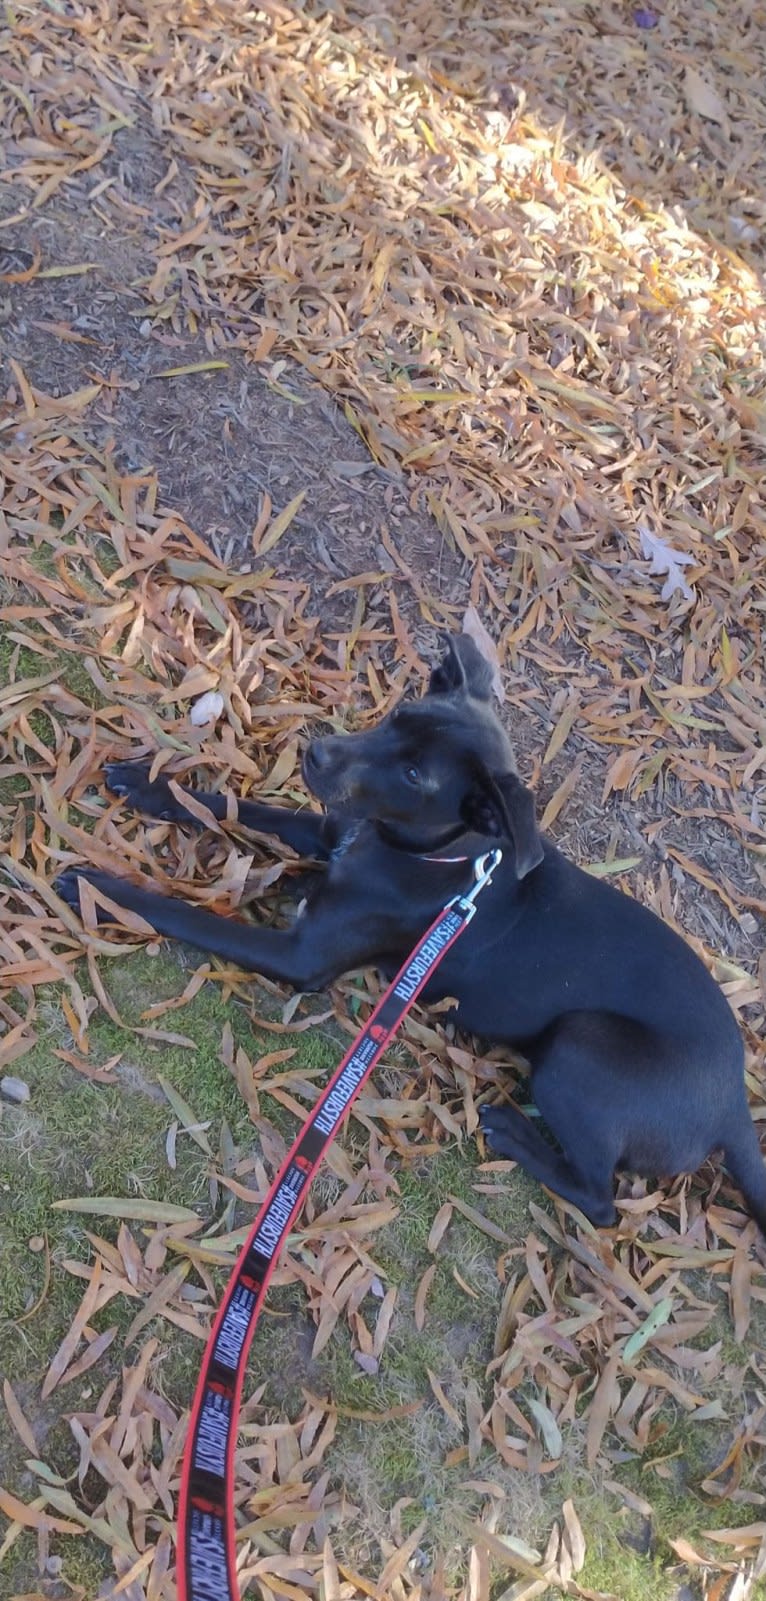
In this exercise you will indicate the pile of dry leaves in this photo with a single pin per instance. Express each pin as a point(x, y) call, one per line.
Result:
point(570, 372)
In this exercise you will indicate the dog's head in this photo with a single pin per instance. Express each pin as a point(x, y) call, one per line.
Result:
point(434, 769)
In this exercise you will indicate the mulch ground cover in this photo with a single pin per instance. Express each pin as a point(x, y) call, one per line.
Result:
point(520, 247)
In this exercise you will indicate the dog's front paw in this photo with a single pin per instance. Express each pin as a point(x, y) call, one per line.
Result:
point(154, 798)
point(67, 885)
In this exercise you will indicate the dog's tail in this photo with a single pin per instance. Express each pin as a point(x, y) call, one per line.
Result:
point(744, 1160)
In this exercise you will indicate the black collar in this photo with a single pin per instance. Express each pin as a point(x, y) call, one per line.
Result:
point(458, 845)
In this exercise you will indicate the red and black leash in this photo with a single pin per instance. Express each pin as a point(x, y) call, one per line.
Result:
point(206, 1551)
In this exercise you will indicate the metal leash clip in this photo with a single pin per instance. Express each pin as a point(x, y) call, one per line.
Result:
point(483, 868)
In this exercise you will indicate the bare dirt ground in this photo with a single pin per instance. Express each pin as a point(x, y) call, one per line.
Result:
point(221, 440)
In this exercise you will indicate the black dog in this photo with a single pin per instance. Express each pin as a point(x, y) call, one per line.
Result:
point(637, 1061)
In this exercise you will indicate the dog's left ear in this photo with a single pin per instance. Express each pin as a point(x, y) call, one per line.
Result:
point(463, 668)
point(503, 808)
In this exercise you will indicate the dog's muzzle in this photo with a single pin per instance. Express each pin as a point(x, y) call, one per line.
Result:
point(323, 771)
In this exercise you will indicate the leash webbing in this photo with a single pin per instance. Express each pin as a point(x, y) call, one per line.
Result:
point(206, 1552)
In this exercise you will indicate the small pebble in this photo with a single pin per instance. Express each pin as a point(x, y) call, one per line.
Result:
point(644, 18)
point(14, 1089)
point(368, 1364)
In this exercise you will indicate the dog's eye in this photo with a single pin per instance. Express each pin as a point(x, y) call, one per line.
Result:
point(412, 775)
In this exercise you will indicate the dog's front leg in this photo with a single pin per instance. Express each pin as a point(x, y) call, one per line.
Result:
point(309, 833)
point(320, 946)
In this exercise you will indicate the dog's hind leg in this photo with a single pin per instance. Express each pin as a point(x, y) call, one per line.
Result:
point(744, 1160)
point(616, 1094)
point(588, 1185)
point(586, 1079)
point(305, 832)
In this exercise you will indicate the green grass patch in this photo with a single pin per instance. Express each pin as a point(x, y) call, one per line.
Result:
point(75, 1137)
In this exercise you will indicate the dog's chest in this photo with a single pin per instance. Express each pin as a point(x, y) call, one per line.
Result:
point(347, 836)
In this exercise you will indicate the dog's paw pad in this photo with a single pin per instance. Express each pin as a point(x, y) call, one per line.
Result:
point(123, 776)
point(488, 1114)
point(451, 1024)
point(493, 1123)
point(131, 781)
point(67, 887)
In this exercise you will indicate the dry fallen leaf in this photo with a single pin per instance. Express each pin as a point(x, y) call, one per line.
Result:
point(280, 524)
point(191, 367)
point(535, 357)
point(702, 98)
point(20, 1424)
point(665, 560)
